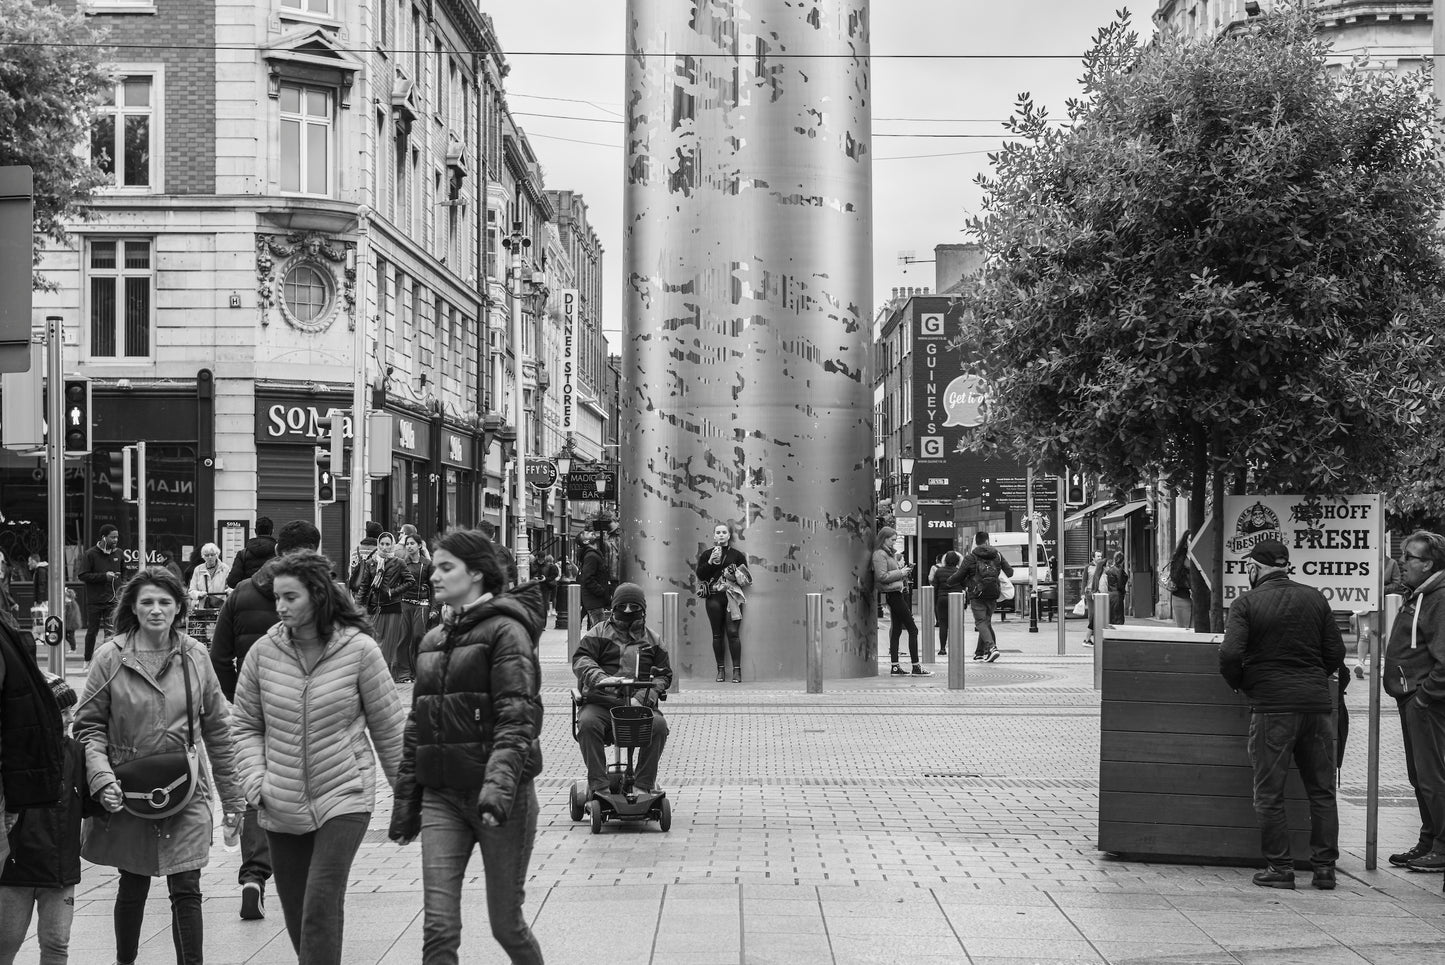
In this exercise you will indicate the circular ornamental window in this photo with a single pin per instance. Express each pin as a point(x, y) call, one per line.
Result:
point(307, 292)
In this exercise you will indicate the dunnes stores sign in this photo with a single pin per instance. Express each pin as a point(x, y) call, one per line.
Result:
point(281, 421)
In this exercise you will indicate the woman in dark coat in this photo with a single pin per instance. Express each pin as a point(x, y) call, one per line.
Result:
point(392, 580)
point(471, 749)
point(941, 575)
point(718, 569)
point(1118, 587)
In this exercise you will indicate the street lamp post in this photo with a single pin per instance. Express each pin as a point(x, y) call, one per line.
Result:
point(517, 243)
point(915, 541)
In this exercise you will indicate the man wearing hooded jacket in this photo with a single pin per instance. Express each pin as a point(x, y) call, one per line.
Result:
point(979, 604)
point(1414, 674)
point(614, 648)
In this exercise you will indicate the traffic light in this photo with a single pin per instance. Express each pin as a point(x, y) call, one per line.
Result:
point(325, 478)
point(77, 416)
point(1074, 491)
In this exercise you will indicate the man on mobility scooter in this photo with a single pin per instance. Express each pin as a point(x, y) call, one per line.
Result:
point(620, 663)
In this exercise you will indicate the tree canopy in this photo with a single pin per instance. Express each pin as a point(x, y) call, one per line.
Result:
point(51, 80)
point(1227, 262)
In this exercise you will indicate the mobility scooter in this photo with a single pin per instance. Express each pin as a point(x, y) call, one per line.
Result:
point(631, 729)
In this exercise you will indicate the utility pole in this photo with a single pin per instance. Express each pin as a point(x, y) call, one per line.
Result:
point(356, 485)
point(1439, 14)
point(55, 478)
point(521, 540)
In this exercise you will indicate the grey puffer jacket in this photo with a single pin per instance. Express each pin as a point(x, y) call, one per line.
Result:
point(889, 575)
point(1415, 653)
point(301, 737)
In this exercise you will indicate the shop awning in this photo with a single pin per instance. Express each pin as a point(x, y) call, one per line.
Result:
point(1088, 511)
point(1115, 519)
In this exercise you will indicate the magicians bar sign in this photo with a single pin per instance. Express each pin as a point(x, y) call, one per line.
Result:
point(1336, 544)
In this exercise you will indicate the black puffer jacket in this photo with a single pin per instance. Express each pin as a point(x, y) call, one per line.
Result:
point(244, 618)
point(476, 708)
point(249, 561)
point(942, 576)
point(1280, 646)
point(45, 842)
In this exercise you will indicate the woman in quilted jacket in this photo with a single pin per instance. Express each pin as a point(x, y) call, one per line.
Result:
point(471, 747)
point(313, 700)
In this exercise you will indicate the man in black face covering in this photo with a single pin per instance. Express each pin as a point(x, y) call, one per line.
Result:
point(620, 646)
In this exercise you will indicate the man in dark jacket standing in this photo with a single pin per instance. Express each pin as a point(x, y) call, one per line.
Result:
point(982, 568)
point(595, 578)
point(1281, 648)
point(244, 618)
point(102, 570)
point(254, 554)
point(1414, 674)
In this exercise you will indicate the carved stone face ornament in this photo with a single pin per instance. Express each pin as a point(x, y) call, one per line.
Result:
point(275, 260)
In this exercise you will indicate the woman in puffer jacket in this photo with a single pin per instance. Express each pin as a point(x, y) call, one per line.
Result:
point(471, 747)
point(310, 692)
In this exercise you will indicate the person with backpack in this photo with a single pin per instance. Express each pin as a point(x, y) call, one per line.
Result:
point(940, 576)
point(979, 577)
point(890, 576)
point(32, 748)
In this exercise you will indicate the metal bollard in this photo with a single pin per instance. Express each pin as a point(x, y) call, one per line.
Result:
point(672, 638)
point(574, 618)
point(813, 640)
point(1391, 613)
point(1101, 620)
point(926, 628)
point(957, 641)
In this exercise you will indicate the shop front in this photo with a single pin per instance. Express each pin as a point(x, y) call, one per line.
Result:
point(457, 503)
point(408, 495)
point(289, 428)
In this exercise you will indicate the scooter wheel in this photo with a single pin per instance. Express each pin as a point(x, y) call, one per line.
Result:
point(664, 816)
point(577, 800)
point(597, 817)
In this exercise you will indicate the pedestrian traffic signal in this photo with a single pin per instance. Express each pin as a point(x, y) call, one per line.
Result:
point(77, 417)
point(325, 485)
point(1074, 494)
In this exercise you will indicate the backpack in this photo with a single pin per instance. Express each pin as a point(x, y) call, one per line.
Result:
point(985, 578)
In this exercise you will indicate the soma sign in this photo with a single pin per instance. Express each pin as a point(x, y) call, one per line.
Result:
point(298, 422)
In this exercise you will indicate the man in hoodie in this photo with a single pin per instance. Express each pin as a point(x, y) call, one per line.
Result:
point(244, 618)
point(254, 554)
point(979, 577)
point(890, 578)
point(1281, 649)
point(102, 570)
point(1414, 674)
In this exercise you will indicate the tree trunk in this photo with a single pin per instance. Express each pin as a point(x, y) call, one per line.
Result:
point(1217, 495)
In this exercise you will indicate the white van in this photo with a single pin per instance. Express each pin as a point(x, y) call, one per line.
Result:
point(1014, 547)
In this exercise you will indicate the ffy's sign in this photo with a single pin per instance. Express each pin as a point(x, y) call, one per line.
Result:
point(1336, 544)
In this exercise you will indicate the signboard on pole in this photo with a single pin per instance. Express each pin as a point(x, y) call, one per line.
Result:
point(1201, 551)
point(592, 484)
point(569, 359)
point(17, 251)
point(1336, 544)
point(541, 473)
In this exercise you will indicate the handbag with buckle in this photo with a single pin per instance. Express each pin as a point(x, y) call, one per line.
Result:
point(158, 785)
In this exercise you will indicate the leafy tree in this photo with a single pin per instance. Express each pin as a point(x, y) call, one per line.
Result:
point(1223, 268)
point(50, 82)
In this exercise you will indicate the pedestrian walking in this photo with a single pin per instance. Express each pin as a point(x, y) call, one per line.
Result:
point(942, 574)
point(44, 865)
point(1094, 582)
point(722, 574)
point(254, 554)
point(564, 582)
point(244, 618)
point(890, 577)
point(1181, 603)
point(1414, 674)
point(472, 751)
point(596, 585)
point(312, 690)
point(980, 575)
point(102, 570)
point(1281, 648)
point(386, 581)
point(416, 604)
point(508, 558)
point(208, 580)
point(32, 761)
point(550, 574)
point(1118, 583)
point(151, 698)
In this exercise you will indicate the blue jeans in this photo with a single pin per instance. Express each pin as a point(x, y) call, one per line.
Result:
point(312, 870)
point(450, 829)
point(1309, 740)
point(52, 934)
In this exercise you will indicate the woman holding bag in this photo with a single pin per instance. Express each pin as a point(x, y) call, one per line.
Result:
point(722, 570)
point(150, 697)
point(208, 579)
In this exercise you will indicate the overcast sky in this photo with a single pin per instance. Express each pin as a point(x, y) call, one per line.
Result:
point(919, 201)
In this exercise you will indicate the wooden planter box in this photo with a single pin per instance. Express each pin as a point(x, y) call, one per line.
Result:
point(1174, 777)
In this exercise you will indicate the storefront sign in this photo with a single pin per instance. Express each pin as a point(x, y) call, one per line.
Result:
point(456, 449)
point(569, 358)
point(592, 484)
point(406, 435)
point(297, 421)
point(1336, 544)
point(541, 473)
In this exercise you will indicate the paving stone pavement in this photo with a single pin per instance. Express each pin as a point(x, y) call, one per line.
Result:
point(886, 820)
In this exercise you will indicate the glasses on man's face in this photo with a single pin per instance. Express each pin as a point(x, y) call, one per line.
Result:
point(1411, 556)
point(627, 609)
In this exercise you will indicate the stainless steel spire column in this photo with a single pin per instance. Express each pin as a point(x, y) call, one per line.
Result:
point(746, 386)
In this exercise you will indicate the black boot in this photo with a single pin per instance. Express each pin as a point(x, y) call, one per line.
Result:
point(1273, 877)
point(722, 674)
point(1324, 879)
point(737, 676)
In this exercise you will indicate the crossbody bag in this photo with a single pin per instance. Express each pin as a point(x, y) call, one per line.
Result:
point(158, 785)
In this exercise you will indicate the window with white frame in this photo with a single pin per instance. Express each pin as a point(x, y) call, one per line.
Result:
point(306, 140)
point(123, 139)
point(319, 7)
point(121, 276)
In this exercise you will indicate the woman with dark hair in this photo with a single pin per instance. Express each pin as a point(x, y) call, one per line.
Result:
point(471, 749)
point(722, 570)
point(1181, 602)
point(1118, 582)
point(311, 691)
point(416, 605)
point(152, 691)
point(942, 573)
point(391, 580)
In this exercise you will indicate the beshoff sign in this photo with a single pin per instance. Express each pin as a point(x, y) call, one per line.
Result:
point(1335, 544)
point(569, 358)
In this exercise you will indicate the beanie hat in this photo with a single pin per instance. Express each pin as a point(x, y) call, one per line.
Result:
point(373, 530)
point(64, 695)
point(629, 593)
